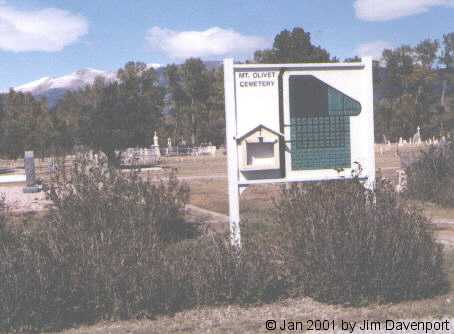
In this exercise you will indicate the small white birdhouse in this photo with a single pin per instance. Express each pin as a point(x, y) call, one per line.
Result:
point(259, 149)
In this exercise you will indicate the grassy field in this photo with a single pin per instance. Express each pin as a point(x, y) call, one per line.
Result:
point(197, 166)
point(207, 178)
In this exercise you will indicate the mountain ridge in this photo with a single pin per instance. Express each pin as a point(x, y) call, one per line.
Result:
point(54, 88)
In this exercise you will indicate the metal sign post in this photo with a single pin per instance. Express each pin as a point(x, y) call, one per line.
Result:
point(297, 123)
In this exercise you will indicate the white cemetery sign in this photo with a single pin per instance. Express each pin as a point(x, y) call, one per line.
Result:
point(297, 123)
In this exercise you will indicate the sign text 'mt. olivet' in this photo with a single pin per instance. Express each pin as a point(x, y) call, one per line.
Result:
point(257, 79)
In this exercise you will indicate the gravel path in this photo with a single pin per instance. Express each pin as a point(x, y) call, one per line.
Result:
point(17, 201)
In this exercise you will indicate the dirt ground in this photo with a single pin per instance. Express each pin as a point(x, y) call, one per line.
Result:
point(19, 202)
point(251, 320)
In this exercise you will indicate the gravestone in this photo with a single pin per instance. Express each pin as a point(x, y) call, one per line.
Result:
point(169, 146)
point(155, 146)
point(30, 174)
point(155, 139)
point(417, 136)
point(401, 181)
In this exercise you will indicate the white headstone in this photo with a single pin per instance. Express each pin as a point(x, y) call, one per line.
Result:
point(155, 139)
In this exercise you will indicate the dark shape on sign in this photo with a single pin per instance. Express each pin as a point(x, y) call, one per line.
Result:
point(319, 124)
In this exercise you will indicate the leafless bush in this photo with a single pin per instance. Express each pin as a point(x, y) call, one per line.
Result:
point(349, 245)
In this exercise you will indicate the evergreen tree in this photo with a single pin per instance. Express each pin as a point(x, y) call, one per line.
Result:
point(447, 56)
point(196, 88)
point(293, 47)
point(426, 52)
point(25, 125)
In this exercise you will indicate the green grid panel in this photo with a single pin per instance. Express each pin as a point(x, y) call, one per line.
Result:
point(320, 142)
point(319, 124)
point(341, 105)
point(323, 158)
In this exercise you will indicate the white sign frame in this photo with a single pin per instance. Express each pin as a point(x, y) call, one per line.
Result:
point(355, 78)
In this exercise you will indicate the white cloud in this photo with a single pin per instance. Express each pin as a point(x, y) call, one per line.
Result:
point(46, 30)
point(214, 41)
point(384, 10)
point(372, 49)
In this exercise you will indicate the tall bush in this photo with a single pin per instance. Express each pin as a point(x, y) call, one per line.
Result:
point(209, 272)
point(349, 245)
point(86, 260)
point(431, 178)
point(96, 199)
point(115, 247)
point(3, 217)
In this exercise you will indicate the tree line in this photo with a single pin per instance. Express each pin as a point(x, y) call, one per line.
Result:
point(414, 86)
point(110, 116)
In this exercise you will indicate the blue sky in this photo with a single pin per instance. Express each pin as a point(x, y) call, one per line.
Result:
point(56, 37)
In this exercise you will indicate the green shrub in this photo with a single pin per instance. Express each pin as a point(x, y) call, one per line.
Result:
point(3, 217)
point(117, 247)
point(431, 177)
point(349, 245)
point(114, 247)
point(83, 263)
point(94, 199)
point(208, 271)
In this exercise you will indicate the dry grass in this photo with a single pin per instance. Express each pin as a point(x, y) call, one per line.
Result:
point(212, 195)
point(207, 177)
point(245, 320)
point(209, 194)
point(437, 212)
point(197, 166)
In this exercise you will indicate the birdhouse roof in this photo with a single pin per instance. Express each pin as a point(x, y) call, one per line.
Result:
point(261, 126)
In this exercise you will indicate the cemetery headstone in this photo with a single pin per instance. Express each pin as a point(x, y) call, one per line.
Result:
point(155, 146)
point(30, 173)
point(417, 136)
point(401, 181)
point(155, 139)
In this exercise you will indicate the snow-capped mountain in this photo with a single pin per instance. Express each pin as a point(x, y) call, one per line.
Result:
point(73, 81)
point(53, 88)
